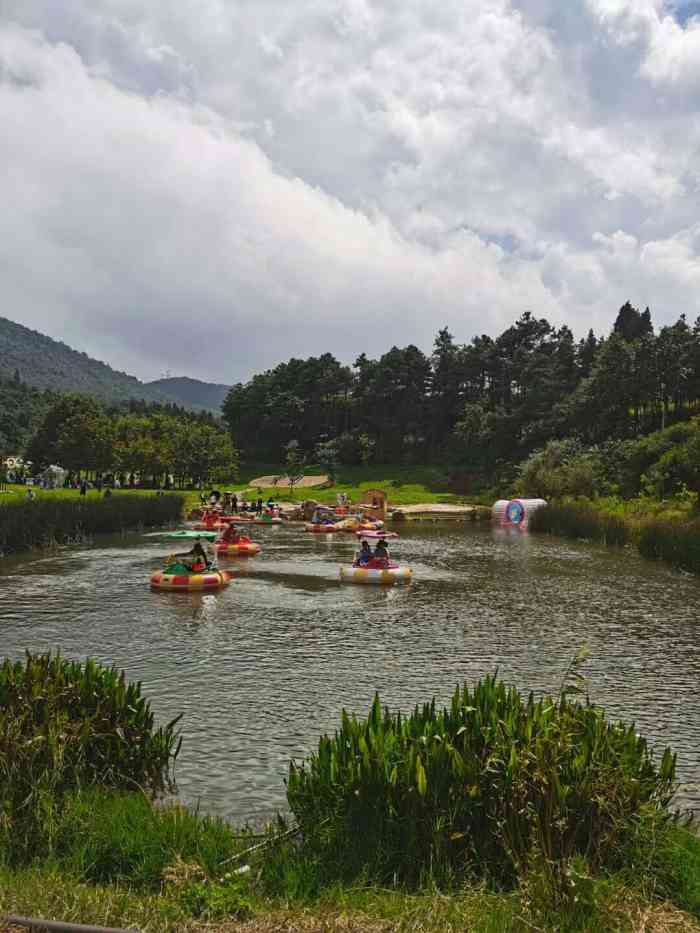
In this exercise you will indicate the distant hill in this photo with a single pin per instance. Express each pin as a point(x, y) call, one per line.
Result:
point(192, 392)
point(51, 364)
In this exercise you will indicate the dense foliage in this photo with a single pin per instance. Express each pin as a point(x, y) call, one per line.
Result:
point(80, 434)
point(22, 409)
point(488, 403)
point(491, 787)
point(49, 520)
point(66, 726)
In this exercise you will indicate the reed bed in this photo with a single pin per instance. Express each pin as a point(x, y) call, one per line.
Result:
point(50, 521)
point(675, 542)
point(578, 520)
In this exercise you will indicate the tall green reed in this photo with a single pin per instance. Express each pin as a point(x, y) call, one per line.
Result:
point(490, 787)
point(48, 521)
point(578, 520)
point(65, 726)
point(675, 542)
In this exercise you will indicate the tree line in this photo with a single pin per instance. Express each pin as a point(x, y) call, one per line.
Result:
point(477, 405)
point(152, 442)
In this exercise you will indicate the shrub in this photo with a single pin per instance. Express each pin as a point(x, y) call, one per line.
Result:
point(562, 468)
point(66, 726)
point(53, 520)
point(493, 787)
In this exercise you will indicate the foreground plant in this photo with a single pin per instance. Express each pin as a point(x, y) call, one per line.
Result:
point(494, 787)
point(66, 726)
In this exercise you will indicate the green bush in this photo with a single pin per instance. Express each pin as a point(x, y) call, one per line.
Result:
point(493, 787)
point(66, 726)
point(561, 469)
point(580, 520)
point(54, 520)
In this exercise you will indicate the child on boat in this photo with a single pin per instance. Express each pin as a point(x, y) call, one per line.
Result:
point(365, 555)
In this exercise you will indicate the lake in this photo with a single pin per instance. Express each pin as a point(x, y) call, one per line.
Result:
point(263, 667)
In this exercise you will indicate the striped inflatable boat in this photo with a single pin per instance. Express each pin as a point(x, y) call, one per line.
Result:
point(211, 580)
point(242, 549)
point(389, 575)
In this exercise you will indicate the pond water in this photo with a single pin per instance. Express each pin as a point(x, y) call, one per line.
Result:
point(262, 668)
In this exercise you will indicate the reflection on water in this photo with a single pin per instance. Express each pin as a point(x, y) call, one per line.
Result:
point(263, 667)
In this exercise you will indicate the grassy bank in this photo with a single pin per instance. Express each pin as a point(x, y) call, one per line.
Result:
point(405, 485)
point(498, 813)
point(64, 519)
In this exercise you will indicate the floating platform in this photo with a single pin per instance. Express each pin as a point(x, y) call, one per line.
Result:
point(440, 512)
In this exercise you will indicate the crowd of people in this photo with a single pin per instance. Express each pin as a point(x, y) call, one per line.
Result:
point(230, 503)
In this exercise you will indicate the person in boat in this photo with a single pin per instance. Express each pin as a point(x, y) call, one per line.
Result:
point(231, 535)
point(365, 555)
point(381, 551)
point(195, 559)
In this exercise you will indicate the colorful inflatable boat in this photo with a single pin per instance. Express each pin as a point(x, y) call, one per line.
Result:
point(243, 548)
point(173, 578)
point(376, 571)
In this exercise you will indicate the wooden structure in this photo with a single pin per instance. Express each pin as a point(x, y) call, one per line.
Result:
point(375, 504)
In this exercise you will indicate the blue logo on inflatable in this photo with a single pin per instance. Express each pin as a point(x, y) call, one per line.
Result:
point(515, 512)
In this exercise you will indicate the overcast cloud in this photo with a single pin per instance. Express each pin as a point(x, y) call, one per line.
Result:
point(211, 186)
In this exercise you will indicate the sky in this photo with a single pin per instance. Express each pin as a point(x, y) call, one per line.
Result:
point(210, 187)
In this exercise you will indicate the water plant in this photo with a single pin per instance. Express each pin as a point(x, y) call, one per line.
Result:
point(493, 787)
point(580, 520)
point(66, 726)
point(53, 520)
point(675, 542)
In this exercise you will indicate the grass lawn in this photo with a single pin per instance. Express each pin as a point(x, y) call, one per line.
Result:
point(14, 491)
point(404, 485)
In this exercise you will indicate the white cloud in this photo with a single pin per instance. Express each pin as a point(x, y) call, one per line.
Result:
point(291, 178)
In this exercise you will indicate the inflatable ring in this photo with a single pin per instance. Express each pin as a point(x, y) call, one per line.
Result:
point(390, 575)
point(212, 580)
point(321, 529)
point(242, 549)
point(209, 526)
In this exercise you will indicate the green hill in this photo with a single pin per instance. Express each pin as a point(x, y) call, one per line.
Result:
point(50, 364)
point(192, 392)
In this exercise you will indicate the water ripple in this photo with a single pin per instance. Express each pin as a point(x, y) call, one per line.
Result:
point(262, 668)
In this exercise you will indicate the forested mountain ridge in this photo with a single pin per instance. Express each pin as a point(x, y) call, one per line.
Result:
point(192, 392)
point(45, 363)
